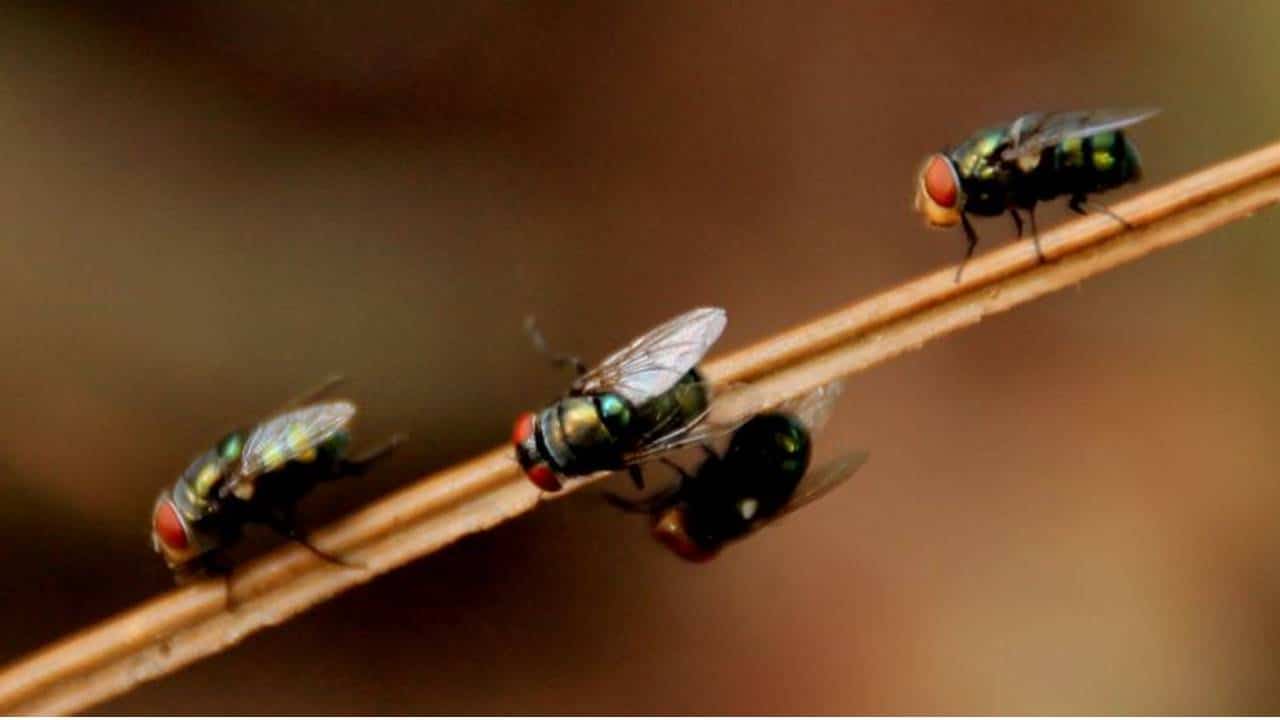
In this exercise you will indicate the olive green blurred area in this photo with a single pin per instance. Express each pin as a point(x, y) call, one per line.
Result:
point(1068, 509)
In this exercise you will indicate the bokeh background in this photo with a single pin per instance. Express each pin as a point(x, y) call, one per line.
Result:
point(206, 209)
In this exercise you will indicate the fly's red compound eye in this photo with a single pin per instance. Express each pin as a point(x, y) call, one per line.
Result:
point(523, 429)
point(543, 477)
point(168, 526)
point(940, 181)
point(537, 469)
point(669, 529)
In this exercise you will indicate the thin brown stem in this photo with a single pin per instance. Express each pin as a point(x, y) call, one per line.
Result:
point(182, 626)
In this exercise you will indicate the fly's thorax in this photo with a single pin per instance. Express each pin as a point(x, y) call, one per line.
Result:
point(984, 177)
point(579, 435)
point(615, 412)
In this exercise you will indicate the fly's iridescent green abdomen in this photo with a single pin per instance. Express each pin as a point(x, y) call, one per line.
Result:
point(1081, 166)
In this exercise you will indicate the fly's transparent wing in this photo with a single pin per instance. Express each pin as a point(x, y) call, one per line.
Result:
point(812, 410)
point(655, 361)
point(677, 432)
point(292, 436)
point(1034, 132)
point(820, 482)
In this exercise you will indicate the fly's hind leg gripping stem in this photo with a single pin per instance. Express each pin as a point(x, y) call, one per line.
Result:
point(1083, 206)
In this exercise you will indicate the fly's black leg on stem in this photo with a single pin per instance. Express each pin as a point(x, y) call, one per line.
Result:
point(207, 567)
point(1084, 206)
point(225, 570)
point(286, 525)
point(637, 476)
point(1035, 234)
point(972, 238)
point(646, 506)
point(540, 345)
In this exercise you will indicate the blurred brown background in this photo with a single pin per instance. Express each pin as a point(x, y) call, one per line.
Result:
point(1069, 509)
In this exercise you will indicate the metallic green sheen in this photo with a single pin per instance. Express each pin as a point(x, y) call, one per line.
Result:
point(231, 446)
point(582, 429)
point(678, 407)
point(615, 412)
point(1075, 167)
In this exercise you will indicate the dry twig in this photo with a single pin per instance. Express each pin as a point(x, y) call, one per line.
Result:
point(185, 625)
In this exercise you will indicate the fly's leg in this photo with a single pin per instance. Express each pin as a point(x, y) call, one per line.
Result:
point(1079, 204)
point(647, 506)
point(220, 567)
point(206, 567)
point(540, 345)
point(286, 525)
point(709, 451)
point(653, 503)
point(684, 474)
point(1035, 234)
point(361, 464)
point(972, 238)
point(637, 476)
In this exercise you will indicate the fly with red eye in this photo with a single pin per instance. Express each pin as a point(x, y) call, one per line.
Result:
point(168, 530)
point(646, 398)
point(762, 476)
point(255, 475)
point(1037, 157)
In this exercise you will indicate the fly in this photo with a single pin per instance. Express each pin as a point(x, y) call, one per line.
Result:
point(761, 477)
point(1037, 157)
point(642, 399)
point(256, 475)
